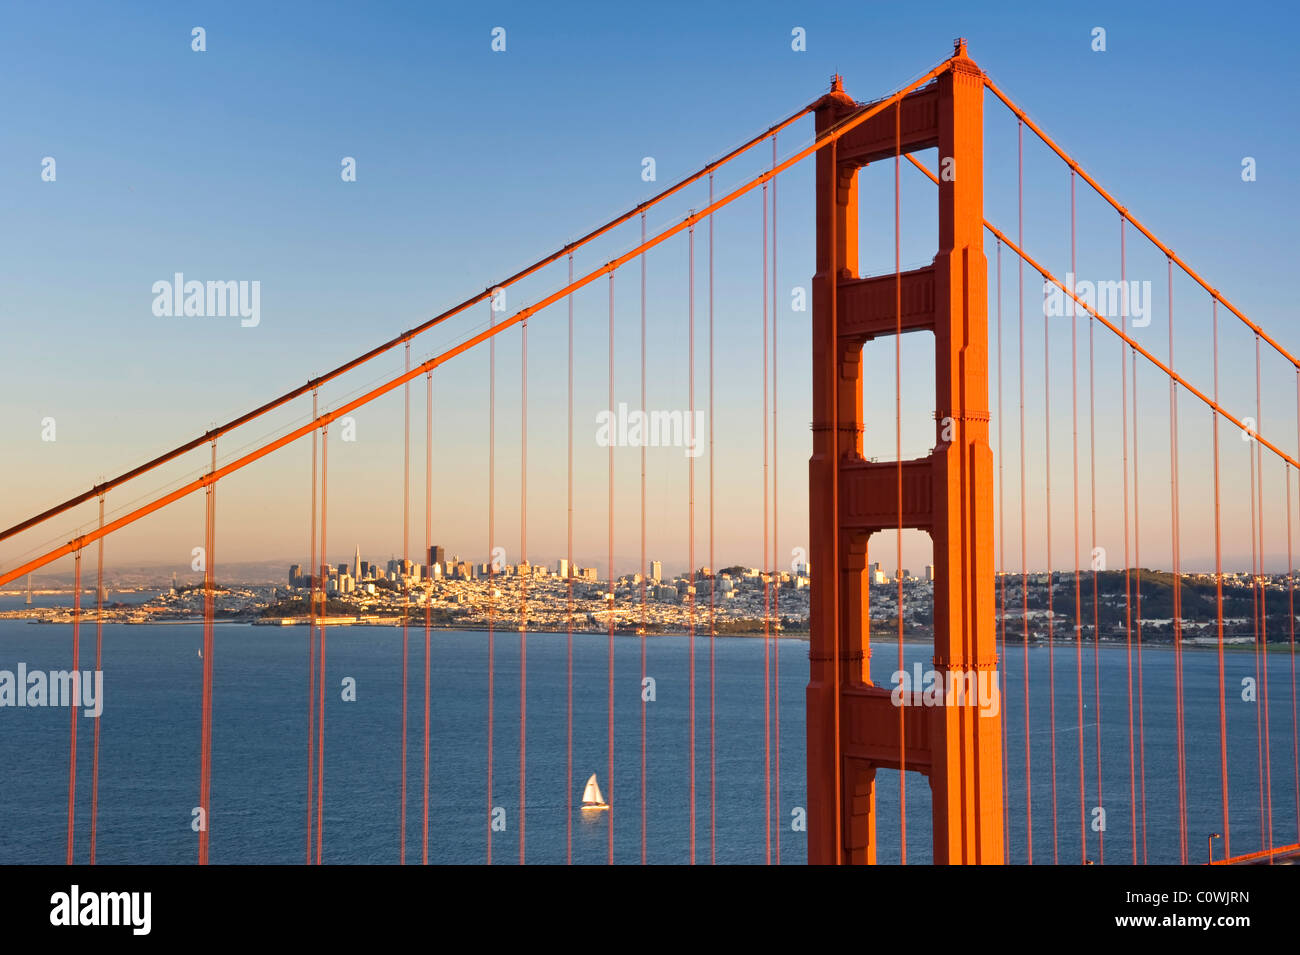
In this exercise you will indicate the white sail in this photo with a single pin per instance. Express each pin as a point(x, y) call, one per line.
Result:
point(591, 795)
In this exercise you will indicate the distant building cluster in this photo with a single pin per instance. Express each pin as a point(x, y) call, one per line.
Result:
point(878, 576)
point(401, 573)
point(471, 591)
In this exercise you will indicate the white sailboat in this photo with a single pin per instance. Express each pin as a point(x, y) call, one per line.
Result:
point(591, 797)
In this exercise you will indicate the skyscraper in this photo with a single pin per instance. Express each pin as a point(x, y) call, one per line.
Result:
point(356, 566)
point(656, 570)
point(437, 555)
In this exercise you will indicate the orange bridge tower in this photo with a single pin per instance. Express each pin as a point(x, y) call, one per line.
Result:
point(853, 726)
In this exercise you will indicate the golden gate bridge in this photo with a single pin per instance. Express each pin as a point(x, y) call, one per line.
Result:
point(956, 494)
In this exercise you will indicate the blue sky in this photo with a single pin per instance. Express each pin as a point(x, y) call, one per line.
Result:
point(225, 165)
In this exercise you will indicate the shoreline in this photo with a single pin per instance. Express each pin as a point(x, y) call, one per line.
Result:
point(786, 634)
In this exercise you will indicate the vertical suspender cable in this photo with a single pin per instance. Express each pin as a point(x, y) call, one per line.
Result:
point(99, 668)
point(613, 590)
point(1295, 734)
point(491, 564)
point(1024, 564)
point(406, 587)
point(428, 597)
point(320, 676)
point(713, 577)
point(568, 770)
point(1263, 614)
point(72, 737)
point(898, 455)
point(1254, 599)
point(642, 628)
point(1218, 588)
point(1051, 579)
point(1078, 596)
point(1256, 558)
point(767, 633)
point(690, 510)
point(1002, 572)
point(523, 584)
point(1128, 589)
point(776, 507)
point(1137, 608)
point(313, 575)
point(209, 610)
point(1096, 615)
point(1178, 606)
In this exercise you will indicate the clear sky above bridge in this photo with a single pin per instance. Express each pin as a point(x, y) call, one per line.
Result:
point(225, 165)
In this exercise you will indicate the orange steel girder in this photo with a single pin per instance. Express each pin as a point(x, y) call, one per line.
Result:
point(948, 493)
